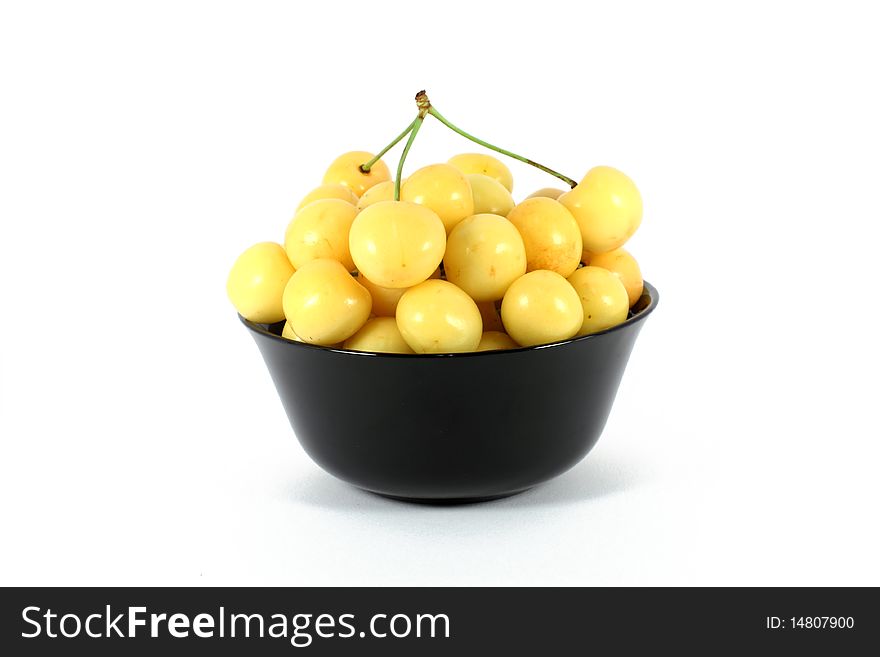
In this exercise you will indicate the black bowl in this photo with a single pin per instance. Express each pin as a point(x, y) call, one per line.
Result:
point(451, 427)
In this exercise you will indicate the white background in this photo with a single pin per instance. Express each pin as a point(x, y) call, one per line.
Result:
point(144, 145)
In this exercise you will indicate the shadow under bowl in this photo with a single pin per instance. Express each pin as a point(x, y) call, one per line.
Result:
point(451, 428)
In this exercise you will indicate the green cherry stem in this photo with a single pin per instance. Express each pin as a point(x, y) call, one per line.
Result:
point(416, 124)
point(368, 165)
point(437, 115)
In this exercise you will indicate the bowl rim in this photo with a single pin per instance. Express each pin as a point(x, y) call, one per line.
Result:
point(649, 290)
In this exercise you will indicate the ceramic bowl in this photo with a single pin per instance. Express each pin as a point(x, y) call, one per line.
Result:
point(449, 428)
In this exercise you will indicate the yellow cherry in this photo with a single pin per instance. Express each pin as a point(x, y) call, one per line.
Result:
point(287, 332)
point(396, 243)
point(603, 297)
point(341, 192)
point(384, 191)
point(436, 317)
point(490, 196)
point(443, 189)
point(547, 192)
point(346, 170)
point(324, 304)
point(607, 207)
point(385, 299)
point(541, 307)
point(484, 255)
point(496, 340)
point(550, 234)
point(320, 230)
point(620, 263)
point(491, 318)
point(379, 335)
point(257, 280)
point(485, 165)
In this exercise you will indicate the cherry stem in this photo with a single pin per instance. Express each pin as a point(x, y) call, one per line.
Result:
point(437, 115)
point(368, 165)
point(414, 130)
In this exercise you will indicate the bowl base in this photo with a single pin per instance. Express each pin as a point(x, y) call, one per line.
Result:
point(451, 501)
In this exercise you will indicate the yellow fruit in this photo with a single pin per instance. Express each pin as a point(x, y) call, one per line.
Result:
point(550, 234)
point(443, 189)
point(324, 304)
point(385, 299)
point(620, 263)
point(256, 282)
point(603, 298)
point(379, 335)
point(341, 192)
point(320, 230)
point(496, 340)
point(287, 332)
point(490, 196)
point(491, 318)
point(485, 165)
point(541, 307)
point(397, 244)
point(346, 170)
point(484, 255)
point(607, 207)
point(547, 192)
point(436, 317)
point(384, 191)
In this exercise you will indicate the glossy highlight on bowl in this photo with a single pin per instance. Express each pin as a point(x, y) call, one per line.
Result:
point(451, 428)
